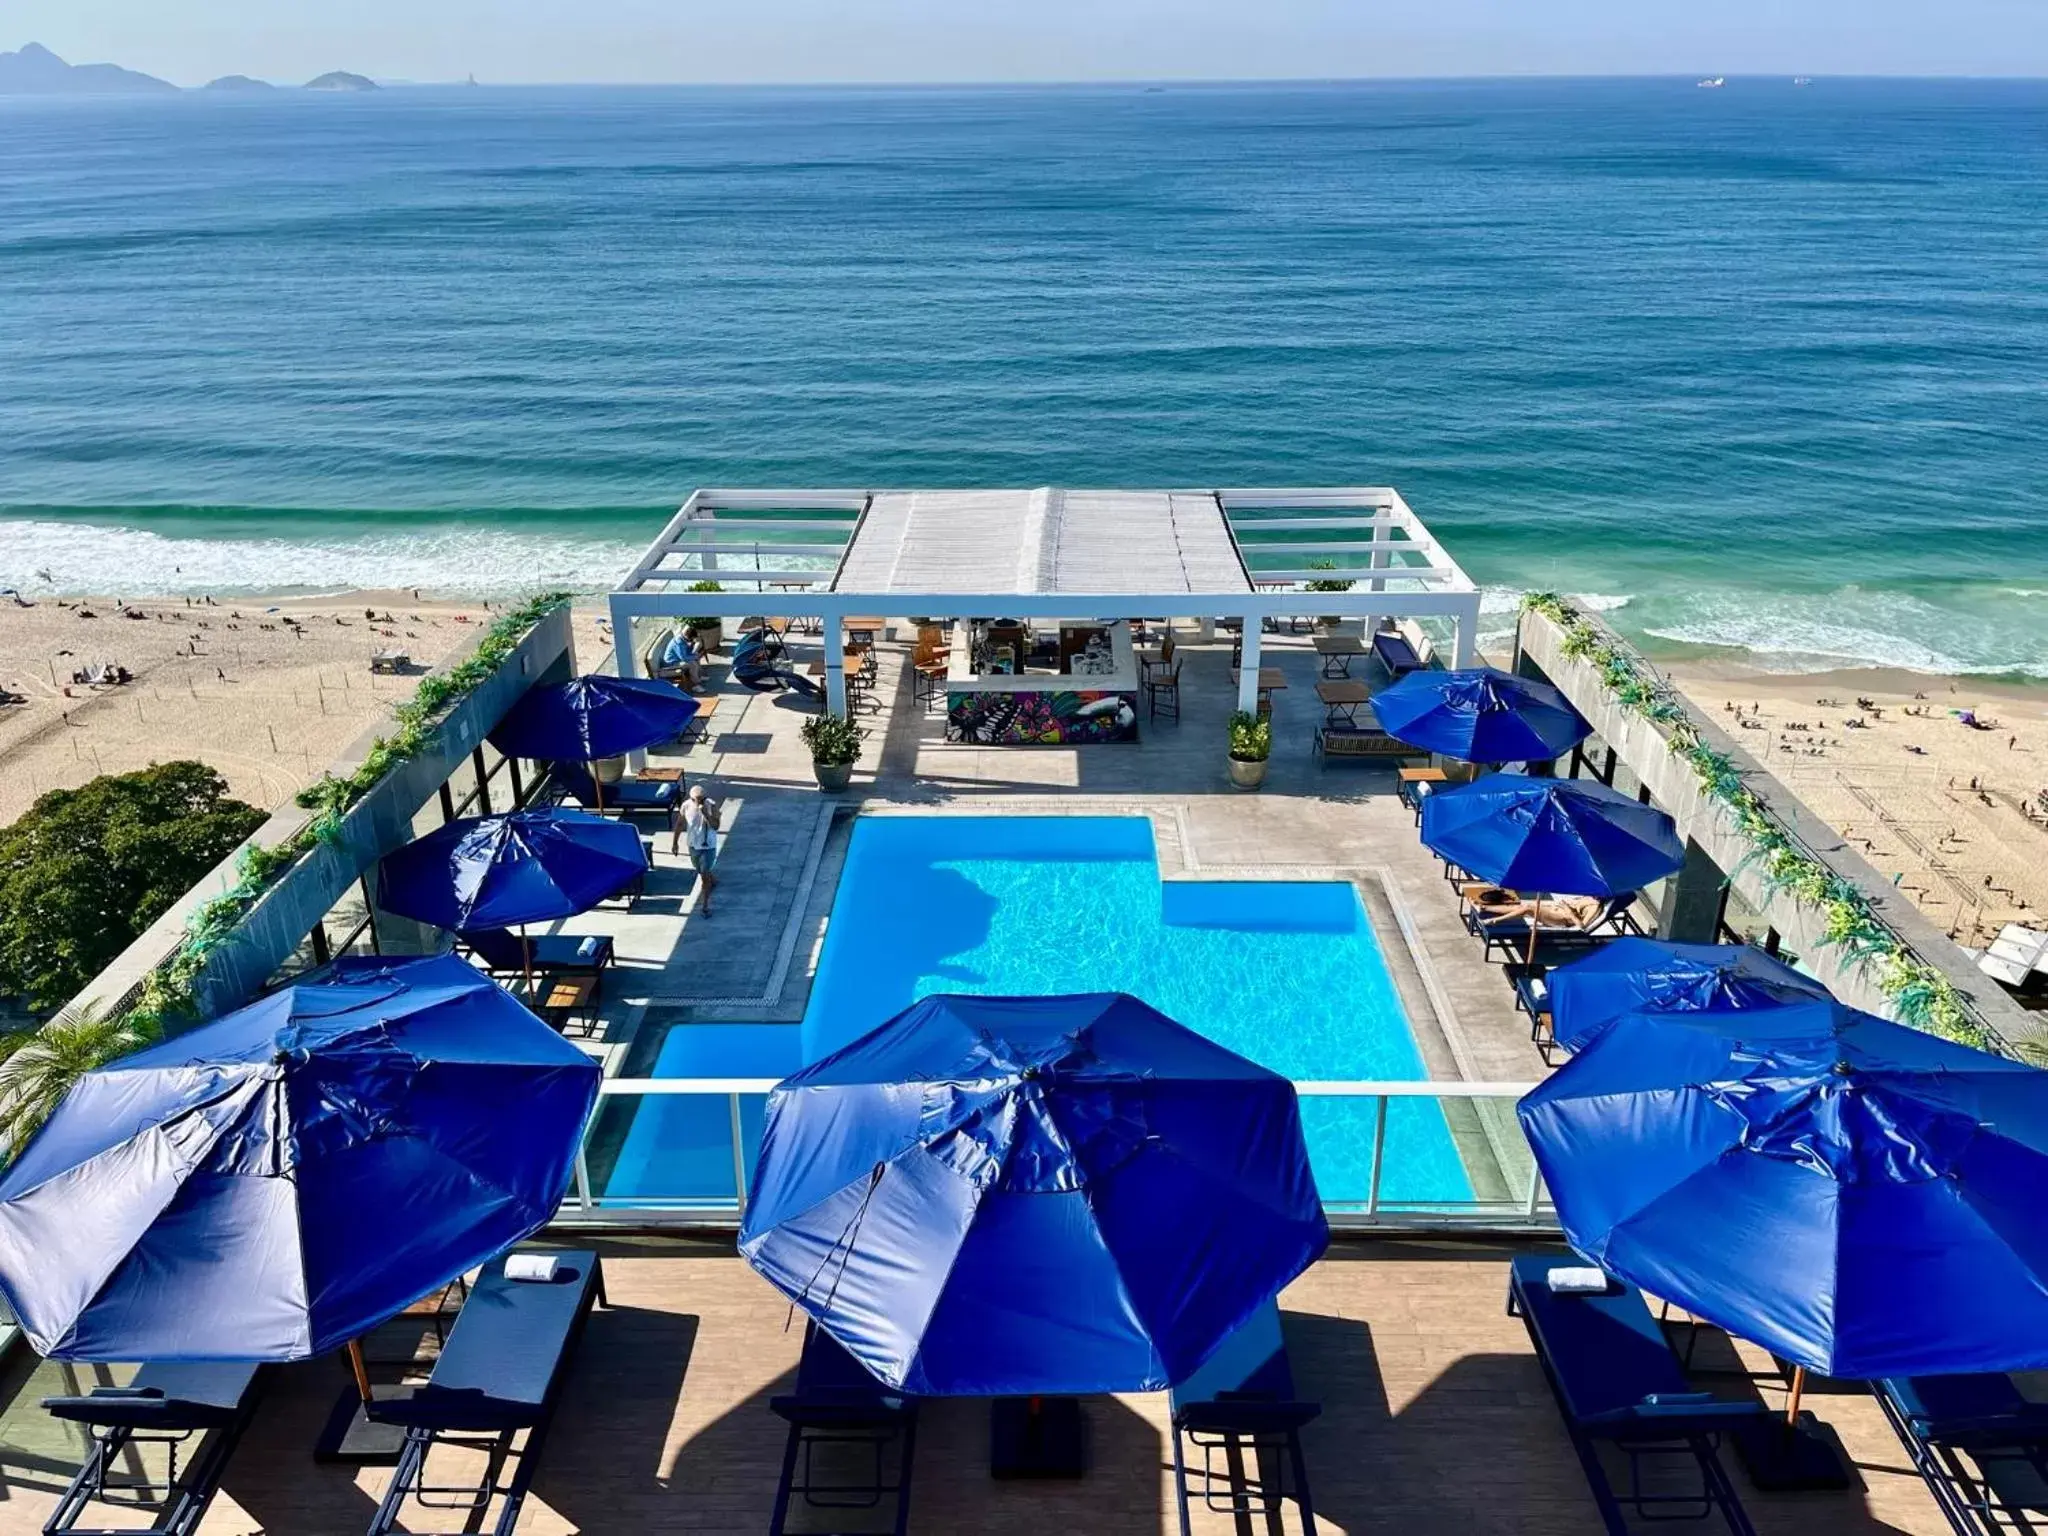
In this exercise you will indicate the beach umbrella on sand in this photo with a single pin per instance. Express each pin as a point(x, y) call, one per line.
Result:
point(275, 1183)
point(1860, 1198)
point(1633, 975)
point(509, 870)
point(995, 1196)
point(1480, 715)
point(593, 717)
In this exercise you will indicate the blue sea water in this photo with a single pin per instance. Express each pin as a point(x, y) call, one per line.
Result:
point(1288, 974)
point(1755, 367)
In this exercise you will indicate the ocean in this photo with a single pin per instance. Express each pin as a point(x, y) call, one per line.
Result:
point(1760, 371)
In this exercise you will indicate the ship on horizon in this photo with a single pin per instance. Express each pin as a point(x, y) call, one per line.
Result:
point(1712, 83)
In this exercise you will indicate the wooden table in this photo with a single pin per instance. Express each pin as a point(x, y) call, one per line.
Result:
point(1337, 651)
point(868, 625)
point(1271, 681)
point(1407, 781)
point(854, 658)
point(1341, 699)
point(565, 997)
point(659, 775)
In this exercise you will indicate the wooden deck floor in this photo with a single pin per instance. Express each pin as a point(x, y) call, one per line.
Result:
point(1436, 1418)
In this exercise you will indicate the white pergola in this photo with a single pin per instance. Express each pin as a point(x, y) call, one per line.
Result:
point(1044, 554)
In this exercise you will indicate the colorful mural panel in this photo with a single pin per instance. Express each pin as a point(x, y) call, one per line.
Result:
point(1041, 718)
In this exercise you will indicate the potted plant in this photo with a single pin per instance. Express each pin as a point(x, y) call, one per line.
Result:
point(1328, 584)
point(835, 748)
point(711, 631)
point(1251, 743)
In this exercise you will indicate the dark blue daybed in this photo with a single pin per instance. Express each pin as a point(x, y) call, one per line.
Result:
point(497, 1378)
point(1241, 1400)
point(504, 953)
point(865, 1429)
point(167, 1405)
point(1395, 653)
point(1981, 1447)
point(1618, 1383)
point(626, 795)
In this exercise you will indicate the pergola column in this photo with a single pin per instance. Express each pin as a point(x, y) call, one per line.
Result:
point(626, 663)
point(1465, 634)
point(1248, 666)
point(835, 664)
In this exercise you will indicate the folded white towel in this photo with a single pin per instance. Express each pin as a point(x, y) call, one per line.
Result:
point(1578, 1282)
point(539, 1266)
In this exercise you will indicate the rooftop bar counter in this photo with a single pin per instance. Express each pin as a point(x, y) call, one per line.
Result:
point(1049, 683)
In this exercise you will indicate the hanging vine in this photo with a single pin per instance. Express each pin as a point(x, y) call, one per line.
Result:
point(167, 992)
point(1921, 995)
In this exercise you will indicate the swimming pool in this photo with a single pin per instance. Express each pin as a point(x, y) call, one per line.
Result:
point(1289, 974)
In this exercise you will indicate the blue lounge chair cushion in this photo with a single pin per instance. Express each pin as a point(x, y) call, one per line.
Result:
point(1983, 1409)
point(626, 794)
point(504, 1355)
point(192, 1394)
point(1246, 1386)
point(1609, 1360)
point(833, 1388)
point(1395, 653)
point(500, 949)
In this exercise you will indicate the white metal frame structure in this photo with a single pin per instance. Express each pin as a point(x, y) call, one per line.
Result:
point(1044, 554)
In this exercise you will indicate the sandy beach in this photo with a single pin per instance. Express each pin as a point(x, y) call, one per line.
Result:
point(268, 691)
point(1954, 813)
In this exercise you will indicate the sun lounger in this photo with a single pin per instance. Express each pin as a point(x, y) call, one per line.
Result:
point(851, 1439)
point(1981, 1447)
point(1511, 934)
point(496, 1379)
point(625, 795)
point(1618, 1384)
point(1241, 1401)
point(1395, 653)
point(211, 1401)
point(504, 953)
point(1532, 996)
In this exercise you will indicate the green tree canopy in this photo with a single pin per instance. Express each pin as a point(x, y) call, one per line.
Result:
point(88, 869)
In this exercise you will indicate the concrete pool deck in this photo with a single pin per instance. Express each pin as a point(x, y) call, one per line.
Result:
point(753, 960)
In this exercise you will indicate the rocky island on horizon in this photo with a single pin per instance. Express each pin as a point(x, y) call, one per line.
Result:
point(341, 80)
point(35, 71)
point(238, 83)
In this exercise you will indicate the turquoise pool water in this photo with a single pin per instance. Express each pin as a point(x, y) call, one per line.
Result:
point(1288, 974)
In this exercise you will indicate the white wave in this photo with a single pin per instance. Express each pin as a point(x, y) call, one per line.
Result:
point(1852, 627)
point(84, 558)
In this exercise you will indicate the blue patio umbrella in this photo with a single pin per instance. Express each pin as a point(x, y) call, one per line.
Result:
point(1859, 1197)
point(275, 1183)
point(520, 867)
point(1634, 975)
point(591, 717)
point(1572, 837)
point(1011, 1196)
point(1480, 715)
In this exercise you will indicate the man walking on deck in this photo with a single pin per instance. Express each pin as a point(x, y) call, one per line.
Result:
point(699, 828)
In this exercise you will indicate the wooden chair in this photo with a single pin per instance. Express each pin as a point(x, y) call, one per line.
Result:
point(929, 664)
point(1162, 689)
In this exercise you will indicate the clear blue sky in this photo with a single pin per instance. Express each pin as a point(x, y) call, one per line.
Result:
point(189, 41)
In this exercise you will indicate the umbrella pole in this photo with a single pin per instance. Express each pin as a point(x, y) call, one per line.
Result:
point(526, 960)
point(356, 1366)
point(590, 767)
point(1792, 1401)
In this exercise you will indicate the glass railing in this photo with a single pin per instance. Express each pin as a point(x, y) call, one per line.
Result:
point(680, 1150)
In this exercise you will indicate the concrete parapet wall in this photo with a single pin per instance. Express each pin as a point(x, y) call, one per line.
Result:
point(383, 820)
point(1712, 825)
